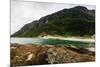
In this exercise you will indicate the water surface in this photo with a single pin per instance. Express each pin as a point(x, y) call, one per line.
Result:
point(49, 41)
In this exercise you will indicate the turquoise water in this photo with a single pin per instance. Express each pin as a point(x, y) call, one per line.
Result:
point(49, 41)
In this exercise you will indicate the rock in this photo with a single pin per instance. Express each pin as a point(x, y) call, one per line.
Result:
point(48, 54)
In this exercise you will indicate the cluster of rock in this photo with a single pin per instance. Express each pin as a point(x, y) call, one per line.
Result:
point(22, 55)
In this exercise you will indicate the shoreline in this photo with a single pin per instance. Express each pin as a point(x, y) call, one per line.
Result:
point(91, 40)
point(70, 38)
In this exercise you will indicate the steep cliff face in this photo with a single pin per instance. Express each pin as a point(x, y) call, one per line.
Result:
point(77, 21)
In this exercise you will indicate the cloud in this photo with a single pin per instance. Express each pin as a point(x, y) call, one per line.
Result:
point(23, 12)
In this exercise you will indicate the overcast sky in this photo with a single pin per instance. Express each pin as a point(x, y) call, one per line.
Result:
point(23, 12)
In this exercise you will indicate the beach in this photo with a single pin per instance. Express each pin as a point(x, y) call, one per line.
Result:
point(83, 39)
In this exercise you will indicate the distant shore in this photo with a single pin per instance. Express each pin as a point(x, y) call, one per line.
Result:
point(87, 39)
point(32, 54)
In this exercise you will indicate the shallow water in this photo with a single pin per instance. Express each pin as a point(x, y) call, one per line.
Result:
point(50, 41)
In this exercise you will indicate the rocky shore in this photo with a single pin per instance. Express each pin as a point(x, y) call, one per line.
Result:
point(31, 54)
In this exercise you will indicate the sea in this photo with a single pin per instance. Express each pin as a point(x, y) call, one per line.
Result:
point(50, 41)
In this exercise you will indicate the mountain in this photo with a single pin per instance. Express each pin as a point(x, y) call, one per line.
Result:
point(76, 21)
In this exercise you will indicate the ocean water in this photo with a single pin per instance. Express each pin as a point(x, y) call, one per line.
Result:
point(50, 41)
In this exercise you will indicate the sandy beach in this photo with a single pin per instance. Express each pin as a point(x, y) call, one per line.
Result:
point(92, 40)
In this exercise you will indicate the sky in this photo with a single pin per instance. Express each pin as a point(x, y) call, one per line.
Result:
point(23, 12)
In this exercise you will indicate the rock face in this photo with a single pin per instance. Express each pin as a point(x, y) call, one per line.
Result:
point(74, 21)
point(22, 55)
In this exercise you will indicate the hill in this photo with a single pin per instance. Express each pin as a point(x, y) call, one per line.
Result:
point(76, 21)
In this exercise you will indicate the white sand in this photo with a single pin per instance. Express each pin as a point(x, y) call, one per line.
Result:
point(70, 38)
point(91, 49)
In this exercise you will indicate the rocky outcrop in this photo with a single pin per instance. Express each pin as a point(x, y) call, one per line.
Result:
point(30, 54)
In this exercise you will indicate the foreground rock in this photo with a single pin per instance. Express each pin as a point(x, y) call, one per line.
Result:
point(22, 55)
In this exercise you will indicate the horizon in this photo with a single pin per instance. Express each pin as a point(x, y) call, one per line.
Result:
point(23, 12)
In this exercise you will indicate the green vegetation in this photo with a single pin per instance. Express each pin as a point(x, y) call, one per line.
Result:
point(77, 21)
